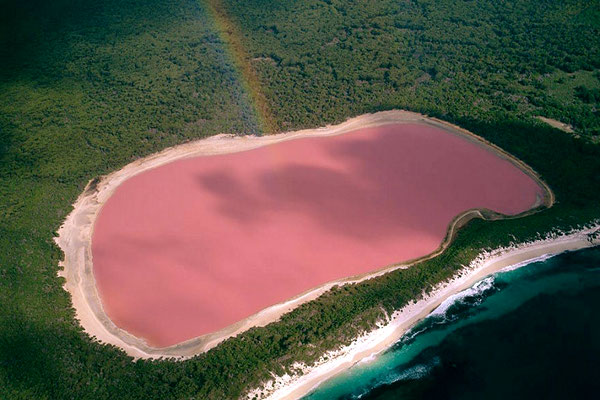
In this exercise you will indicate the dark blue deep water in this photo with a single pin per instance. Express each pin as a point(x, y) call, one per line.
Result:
point(526, 333)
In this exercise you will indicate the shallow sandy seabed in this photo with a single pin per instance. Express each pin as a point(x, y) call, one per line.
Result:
point(74, 236)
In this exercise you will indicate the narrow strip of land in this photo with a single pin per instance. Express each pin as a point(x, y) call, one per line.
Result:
point(378, 340)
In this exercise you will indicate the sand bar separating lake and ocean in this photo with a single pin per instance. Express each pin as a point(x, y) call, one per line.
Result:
point(302, 215)
point(389, 332)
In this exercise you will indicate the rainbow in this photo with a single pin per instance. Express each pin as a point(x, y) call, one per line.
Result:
point(230, 35)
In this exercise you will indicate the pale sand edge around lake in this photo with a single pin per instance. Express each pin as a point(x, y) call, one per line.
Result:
point(369, 345)
point(75, 235)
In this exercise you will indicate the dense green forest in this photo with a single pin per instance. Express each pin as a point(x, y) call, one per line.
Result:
point(334, 58)
point(88, 86)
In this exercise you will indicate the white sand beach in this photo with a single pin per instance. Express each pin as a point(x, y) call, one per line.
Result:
point(389, 332)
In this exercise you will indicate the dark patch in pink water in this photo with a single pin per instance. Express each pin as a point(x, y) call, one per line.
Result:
point(196, 245)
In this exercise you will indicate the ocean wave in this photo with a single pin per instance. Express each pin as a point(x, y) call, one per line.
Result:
point(447, 311)
point(414, 372)
point(411, 334)
point(450, 310)
point(478, 291)
point(513, 267)
point(466, 301)
point(474, 295)
point(418, 371)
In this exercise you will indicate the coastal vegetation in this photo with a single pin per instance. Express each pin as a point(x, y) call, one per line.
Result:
point(86, 87)
point(449, 58)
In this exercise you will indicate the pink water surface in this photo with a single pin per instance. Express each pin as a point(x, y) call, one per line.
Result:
point(196, 245)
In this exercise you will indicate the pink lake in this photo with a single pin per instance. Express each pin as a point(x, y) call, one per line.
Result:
point(196, 245)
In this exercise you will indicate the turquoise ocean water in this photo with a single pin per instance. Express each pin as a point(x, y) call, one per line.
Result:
point(529, 332)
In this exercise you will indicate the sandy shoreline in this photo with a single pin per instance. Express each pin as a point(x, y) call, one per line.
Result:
point(74, 236)
point(557, 124)
point(378, 340)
